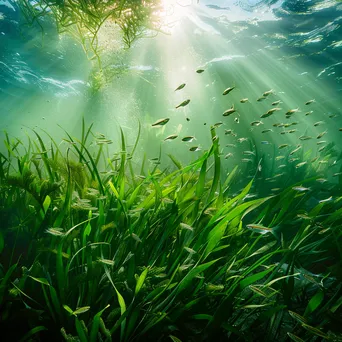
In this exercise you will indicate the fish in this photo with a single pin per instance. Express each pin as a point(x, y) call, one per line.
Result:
point(240, 140)
point(246, 160)
point(300, 188)
point(337, 174)
point(199, 71)
point(340, 129)
point(309, 102)
point(180, 87)
point(276, 103)
point(229, 111)
point(313, 160)
point(256, 123)
point(189, 138)
point(187, 119)
point(292, 111)
point(279, 157)
point(318, 123)
point(268, 92)
point(230, 145)
point(237, 120)
point(305, 137)
point(320, 135)
point(331, 116)
point(321, 148)
point(262, 98)
point(183, 104)
point(294, 123)
point(161, 122)
point(228, 131)
point(244, 100)
point(308, 113)
point(265, 142)
point(259, 228)
point(171, 137)
point(228, 155)
point(267, 130)
point(295, 150)
point(270, 112)
point(326, 200)
point(228, 90)
point(217, 124)
point(292, 131)
point(194, 148)
point(248, 153)
point(282, 146)
point(321, 180)
point(301, 164)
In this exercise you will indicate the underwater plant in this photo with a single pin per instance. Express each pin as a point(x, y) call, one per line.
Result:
point(83, 20)
point(117, 251)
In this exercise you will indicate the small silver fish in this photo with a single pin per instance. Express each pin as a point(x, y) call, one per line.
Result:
point(272, 110)
point(180, 87)
point(229, 111)
point(228, 155)
point(194, 148)
point(161, 122)
point(262, 98)
point(301, 164)
point(276, 103)
point(295, 150)
point(237, 120)
point(228, 90)
point(228, 131)
point(292, 111)
point(199, 71)
point(248, 153)
point(266, 130)
point(184, 103)
point(318, 123)
point(268, 92)
point(171, 137)
point(309, 102)
point(230, 145)
point(189, 138)
point(256, 123)
point(320, 135)
point(309, 113)
point(300, 188)
point(326, 200)
point(282, 146)
point(246, 160)
point(244, 100)
point(321, 142)
point(240, 140)
point(305, 137)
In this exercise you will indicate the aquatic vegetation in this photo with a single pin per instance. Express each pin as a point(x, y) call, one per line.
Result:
point(121, 250)
point(84, 19)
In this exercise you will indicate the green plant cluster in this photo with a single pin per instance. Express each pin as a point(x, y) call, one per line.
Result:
point(94, 249)
point(83, 19)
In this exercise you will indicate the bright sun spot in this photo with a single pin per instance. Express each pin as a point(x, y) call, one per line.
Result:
point(173, 10)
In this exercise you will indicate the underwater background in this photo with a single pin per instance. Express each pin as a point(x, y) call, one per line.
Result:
point(257, 85)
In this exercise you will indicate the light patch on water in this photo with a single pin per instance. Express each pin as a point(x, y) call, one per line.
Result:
point(224, 58)
point(202, 25)
point(324, 5)
point(7, 4)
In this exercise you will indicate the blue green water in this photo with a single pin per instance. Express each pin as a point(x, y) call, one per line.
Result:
point(290, 47)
